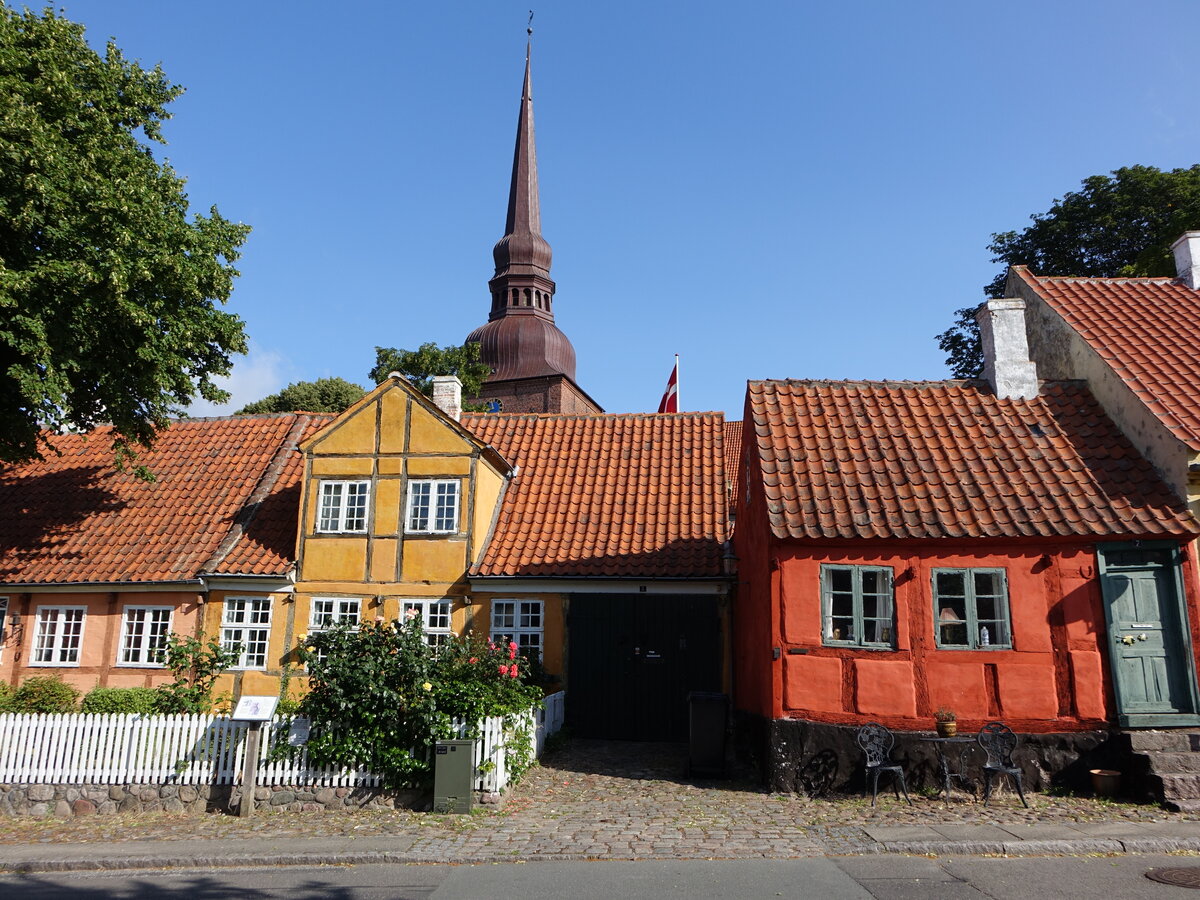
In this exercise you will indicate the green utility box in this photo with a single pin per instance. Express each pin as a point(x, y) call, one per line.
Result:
point(453, 776)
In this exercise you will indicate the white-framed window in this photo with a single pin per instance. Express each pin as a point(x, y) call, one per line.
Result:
point(432, 506)
point(857, 606)
point(59, 635)
point(246, 627)
point(520, 621)
point(970, 608)
point(435, 619)
point(144, 633)
point(343, 506)
point(3, 624)
point(329, 612)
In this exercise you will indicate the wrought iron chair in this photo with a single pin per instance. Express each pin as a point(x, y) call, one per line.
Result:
point(876, 743)
point(999, 742)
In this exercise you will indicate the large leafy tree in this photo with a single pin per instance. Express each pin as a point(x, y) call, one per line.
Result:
point(108, 289)
point(323, 395)
point(1121, 224)
point(420, 365)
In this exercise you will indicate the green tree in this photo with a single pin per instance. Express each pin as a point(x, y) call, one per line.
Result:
point(420, 365)
point(323, 395)
point(1121, 224)
point(196, 666)
point(108, 289)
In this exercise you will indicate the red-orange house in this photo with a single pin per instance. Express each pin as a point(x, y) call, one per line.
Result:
point(909, 546)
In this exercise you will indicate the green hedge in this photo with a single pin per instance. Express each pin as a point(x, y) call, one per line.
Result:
point(44, 694)
point(6, 697)
point(121, 700)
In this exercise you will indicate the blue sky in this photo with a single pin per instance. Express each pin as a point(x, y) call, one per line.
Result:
point(776, 190)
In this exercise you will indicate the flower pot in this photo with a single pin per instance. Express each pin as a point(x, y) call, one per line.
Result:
point(947, 729)
point(1105, 782)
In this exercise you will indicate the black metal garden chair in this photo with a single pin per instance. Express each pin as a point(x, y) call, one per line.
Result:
point(876, 743)
point(999, 742)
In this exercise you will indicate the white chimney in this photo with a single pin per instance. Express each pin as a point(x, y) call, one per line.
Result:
point(1006, 363)
point(1187, 259)
point(447, 395)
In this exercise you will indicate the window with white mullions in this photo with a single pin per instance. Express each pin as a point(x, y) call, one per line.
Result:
point(971, 609)
point(518, 621)
point(144, 634)
point(432, 506)
point(59, 635)
point(331, 612)
point(246, 630)
point(435, 618)
point(343, 506)
point(858, 606)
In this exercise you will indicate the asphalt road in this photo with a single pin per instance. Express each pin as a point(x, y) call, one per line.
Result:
point(824, 878)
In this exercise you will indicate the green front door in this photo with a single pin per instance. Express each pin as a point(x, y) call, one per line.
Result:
point(1154, 679)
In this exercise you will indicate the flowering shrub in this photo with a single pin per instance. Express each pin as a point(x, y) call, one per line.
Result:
point(379, 697)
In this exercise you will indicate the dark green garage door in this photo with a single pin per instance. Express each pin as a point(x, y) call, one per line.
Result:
point(633, 658)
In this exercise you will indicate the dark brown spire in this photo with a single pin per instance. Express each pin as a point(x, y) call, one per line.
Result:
point(520, 339)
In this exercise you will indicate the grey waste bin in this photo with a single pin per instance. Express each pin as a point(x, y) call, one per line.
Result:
point(707, 715)
point(453, 776)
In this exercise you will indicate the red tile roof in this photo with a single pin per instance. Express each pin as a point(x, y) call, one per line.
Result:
point(733, 456)
point(1146, 329)
point(225, 501)
point(639, 496)
point(949, 459)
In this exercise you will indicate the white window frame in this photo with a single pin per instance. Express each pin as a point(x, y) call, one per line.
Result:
point(66, 653)
point(233, 629)
point(513, 620)
point(333, 506)
point(342, 611)
point(147, 656)
point(437, 619)
point(428, 517)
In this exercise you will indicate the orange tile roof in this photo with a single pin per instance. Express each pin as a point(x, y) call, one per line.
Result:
point(949, 459)
point(639, 496)
point(225, 501)
point(1146, 329)
point(733, 456)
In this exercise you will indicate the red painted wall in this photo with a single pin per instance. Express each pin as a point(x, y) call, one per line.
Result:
point(1055, 678)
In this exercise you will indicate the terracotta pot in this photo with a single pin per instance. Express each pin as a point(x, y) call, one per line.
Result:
point(1105, 782)
point(947, 729)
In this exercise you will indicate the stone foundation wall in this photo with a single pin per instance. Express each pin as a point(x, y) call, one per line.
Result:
point(66, 800)
point(781, 748)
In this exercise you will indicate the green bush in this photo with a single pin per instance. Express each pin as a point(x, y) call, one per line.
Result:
point(45, 694)
point(120, 700)
point(379, 696)
point(6, 697)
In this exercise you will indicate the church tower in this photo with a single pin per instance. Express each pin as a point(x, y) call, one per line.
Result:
point(532, 361)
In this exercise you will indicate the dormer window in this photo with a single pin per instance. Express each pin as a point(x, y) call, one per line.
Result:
point(343, 506)
point(432, 506)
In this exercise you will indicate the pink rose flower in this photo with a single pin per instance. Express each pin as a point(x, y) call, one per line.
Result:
point(512, 670)
point(504, 670)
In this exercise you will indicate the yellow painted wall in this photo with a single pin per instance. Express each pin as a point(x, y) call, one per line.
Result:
point(338, 558)
point(354, 433)
point(421, 466)
point(439, 560)
point(488, 485)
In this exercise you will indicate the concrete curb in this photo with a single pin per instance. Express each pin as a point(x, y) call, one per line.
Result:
point(1076, 847)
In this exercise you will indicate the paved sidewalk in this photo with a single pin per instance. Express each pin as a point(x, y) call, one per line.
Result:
point(597, 800)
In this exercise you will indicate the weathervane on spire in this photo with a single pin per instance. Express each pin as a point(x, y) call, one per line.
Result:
point(529, 25)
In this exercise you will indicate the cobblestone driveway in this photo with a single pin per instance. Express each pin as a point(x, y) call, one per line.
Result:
point(596, 799)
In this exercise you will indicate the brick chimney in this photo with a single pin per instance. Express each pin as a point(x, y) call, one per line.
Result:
point(1006, 363)
point(447, 395)
point(1187, 259)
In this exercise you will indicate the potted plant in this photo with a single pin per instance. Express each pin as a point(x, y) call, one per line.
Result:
point(947, 722)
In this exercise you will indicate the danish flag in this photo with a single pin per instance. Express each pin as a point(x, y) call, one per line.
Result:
point(670, 398)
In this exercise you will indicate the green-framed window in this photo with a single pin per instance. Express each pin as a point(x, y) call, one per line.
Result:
point(970, 609)
point(857, 607)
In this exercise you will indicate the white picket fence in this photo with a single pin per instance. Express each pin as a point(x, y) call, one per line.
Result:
point(198, 749)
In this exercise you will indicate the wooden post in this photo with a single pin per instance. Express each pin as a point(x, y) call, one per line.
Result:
point(250, 771)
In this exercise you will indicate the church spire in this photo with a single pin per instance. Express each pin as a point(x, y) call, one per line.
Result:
point(523, 250)
point(520, 339)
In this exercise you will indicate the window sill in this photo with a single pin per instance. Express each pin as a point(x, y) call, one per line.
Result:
point(54, 665)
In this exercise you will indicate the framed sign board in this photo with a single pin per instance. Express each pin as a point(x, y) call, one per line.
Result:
point(255, 709)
